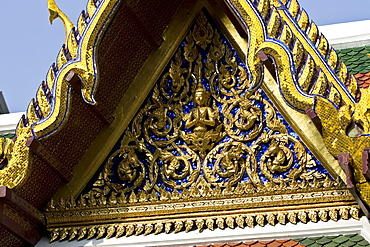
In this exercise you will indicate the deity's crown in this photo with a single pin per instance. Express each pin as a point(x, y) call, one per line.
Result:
point(200, 88)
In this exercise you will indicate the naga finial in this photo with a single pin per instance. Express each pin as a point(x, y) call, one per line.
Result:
point(55, 12)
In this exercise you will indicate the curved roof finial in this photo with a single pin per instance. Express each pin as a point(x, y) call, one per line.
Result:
point(55, 12)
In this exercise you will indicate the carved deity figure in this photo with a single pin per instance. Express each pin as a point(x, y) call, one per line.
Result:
point(160, 116)
point(279, 157)
point(249, 115)
point(202, 115)
point(172, 164)
point(203, 121)
point(230, 162)
point(127, 168)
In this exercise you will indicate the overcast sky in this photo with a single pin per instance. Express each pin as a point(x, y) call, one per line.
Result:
point(29, 44)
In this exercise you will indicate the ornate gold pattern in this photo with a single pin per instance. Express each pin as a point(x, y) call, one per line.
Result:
point(179, 146)
point(201, 167)
point(200, 223)
point(55, 12)
point(331, 94)
point(294, 42)
point(52, 98)
point(51, 103)
point(17, 155)
point(6, 147)
point(206, 141)
point(50, 107)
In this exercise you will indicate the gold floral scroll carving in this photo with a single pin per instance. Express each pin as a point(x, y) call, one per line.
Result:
point(205, 119)
point(206, 140)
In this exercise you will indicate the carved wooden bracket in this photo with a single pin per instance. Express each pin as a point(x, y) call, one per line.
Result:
point(315, 119)
point(345, 161)
point(22, 220)
point(365, 163)
point(75, 81)
point(49, 158)
point(268, 63)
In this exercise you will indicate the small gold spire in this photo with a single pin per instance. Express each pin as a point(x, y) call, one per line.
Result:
point(55, 12)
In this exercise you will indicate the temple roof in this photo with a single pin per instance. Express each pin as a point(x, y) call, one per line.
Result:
point(213, 114)
point(356, 59)
point(363, 79)
point(358, 63)
point(329, 241)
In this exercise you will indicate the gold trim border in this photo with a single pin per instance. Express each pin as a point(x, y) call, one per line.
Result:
point(198, 222)
point(66, 214)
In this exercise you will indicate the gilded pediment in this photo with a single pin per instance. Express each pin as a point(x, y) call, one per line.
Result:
point(210, 115)
point(207, 149)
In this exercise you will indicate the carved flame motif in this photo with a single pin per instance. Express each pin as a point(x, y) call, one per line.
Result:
point(204, 130)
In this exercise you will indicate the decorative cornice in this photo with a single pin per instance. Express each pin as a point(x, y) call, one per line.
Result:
point(201, 222)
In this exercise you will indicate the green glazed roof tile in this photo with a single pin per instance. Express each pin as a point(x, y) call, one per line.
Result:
point(316, 238)
point(352, 53)
point(363, 58)
point(323, 240)
point(357, 238)
point(350, 240)
point(340, 239)
point(349, 243)
point(332, 244)
point(367, 67)
point(7, 136)
point(307, 241)
point(314, 245)
point(331, 237)
point(363, 243)
point(356, 59)
point(353, 59)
